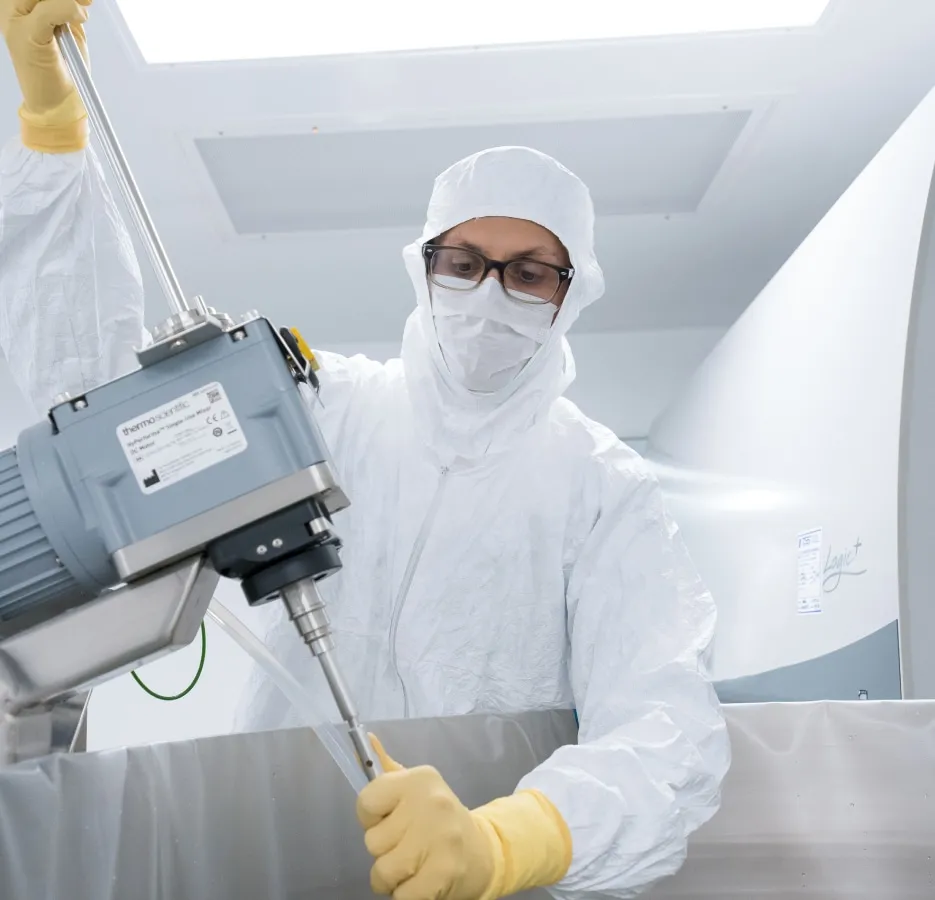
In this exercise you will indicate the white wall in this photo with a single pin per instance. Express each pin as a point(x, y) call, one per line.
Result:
point(917, 520)
point(624, 380)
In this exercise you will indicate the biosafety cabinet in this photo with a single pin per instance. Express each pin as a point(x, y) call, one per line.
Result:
point(800, 460)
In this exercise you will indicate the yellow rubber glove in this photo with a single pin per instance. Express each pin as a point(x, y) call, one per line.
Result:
point(52, 117)
point(429, 846)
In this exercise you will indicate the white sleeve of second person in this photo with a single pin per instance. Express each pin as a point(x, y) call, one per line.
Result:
point(653, 746)
point(71, 293)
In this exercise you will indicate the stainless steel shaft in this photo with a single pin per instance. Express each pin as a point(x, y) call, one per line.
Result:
point(97, 115)
point(307, 610)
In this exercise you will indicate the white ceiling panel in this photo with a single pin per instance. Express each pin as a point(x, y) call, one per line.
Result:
point(647, 165)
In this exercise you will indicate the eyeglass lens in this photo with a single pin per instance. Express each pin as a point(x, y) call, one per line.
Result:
point(523, 279)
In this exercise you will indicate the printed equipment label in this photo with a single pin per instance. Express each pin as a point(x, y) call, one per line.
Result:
point(181, 438)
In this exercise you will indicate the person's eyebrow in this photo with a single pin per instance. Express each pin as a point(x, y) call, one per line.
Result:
point(467, 245)
point(539, 251)
point(532, 253)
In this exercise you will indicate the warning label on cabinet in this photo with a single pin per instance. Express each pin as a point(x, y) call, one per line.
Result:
point(809, 559)
point(181, 438)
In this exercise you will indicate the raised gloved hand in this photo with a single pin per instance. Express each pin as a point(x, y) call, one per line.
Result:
point(52, 117)
point(428, 845)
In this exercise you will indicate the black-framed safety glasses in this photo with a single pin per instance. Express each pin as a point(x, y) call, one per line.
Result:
point(525, 280)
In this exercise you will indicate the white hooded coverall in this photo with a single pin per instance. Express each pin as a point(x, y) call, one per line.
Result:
point(502, 552)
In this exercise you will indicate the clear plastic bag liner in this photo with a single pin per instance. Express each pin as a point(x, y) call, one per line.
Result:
point(238, 817)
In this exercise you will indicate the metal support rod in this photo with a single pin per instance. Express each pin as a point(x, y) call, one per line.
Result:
point(97, 115)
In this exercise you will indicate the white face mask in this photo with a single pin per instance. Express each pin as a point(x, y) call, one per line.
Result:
point(485, 336)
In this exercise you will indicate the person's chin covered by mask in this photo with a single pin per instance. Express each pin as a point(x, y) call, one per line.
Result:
point(496, 285)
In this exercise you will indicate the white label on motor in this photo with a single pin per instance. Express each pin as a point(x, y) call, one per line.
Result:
point(181, 438)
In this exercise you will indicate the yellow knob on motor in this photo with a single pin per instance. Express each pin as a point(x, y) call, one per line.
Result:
point(305, 350)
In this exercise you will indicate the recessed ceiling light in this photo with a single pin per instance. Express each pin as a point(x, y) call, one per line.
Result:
point(176, 31)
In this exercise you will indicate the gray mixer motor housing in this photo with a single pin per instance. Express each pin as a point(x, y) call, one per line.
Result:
point(209, 449)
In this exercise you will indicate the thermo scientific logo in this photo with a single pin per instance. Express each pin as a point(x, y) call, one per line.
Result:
point(155, 417)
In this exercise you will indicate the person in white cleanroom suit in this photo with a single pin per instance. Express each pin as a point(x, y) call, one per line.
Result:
point(503, 552)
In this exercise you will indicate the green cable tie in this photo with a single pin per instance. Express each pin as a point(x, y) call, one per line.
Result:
point(191, 687)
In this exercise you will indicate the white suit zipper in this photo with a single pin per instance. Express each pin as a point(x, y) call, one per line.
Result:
point(414, 557)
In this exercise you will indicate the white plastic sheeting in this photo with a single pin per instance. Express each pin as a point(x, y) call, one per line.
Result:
point(824, 800)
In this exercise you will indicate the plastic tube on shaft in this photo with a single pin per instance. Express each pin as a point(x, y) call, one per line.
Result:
point(304, 702)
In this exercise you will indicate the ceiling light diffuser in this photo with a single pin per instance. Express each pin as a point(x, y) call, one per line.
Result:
point(178, 31)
